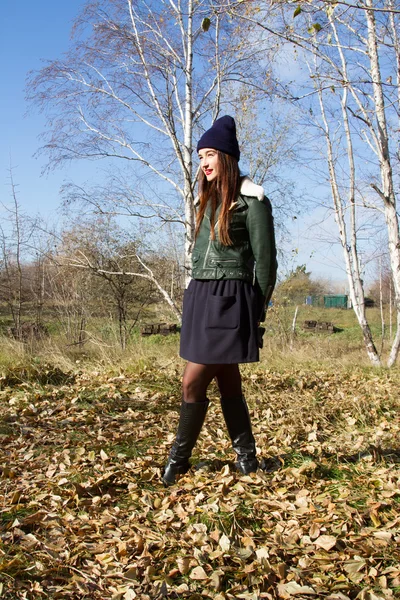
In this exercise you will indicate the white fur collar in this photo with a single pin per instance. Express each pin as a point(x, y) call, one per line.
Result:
point(249, 188)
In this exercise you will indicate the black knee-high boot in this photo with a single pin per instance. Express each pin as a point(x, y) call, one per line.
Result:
point(190, 423)
point(237, 419)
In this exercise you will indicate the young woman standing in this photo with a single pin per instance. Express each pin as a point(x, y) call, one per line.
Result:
point(234, 272)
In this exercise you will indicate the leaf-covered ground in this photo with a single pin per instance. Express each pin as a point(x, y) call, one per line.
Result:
point(83, 513)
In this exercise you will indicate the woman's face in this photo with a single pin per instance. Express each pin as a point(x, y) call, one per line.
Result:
point(209, 163)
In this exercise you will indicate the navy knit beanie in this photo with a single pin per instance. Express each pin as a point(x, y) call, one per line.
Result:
point(221, 136)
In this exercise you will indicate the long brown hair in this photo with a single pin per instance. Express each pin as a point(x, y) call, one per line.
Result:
point(224, 189)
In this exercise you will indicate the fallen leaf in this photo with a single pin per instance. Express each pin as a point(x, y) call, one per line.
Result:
point(354, 566)
point(224, 543)
point(314, 531)
point(326, 542)
point(103, 455)
point(198, 573)
point(286, 590)
point(183, 564)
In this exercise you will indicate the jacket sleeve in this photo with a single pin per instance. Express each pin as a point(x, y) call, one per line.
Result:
point(260, 225)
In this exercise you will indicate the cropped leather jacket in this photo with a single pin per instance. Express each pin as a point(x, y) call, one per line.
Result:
point(252, 255)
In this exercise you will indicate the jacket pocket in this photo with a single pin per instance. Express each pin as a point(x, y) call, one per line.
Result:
point(224, 262)
point(195, 258)
point(222, 312)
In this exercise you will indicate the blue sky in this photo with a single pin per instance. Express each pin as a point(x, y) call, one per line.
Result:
point(33, 32)
point(30, 32)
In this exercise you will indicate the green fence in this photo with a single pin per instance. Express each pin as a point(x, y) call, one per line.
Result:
point(336, 301)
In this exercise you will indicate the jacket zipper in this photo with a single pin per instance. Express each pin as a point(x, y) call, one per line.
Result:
point(209, 245)
point(226, 260)
point(209, 241)
point(207, 253)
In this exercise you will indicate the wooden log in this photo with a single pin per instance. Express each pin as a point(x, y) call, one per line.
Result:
point(158, 328)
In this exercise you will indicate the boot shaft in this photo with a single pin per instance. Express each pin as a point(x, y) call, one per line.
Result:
point(237, 419)
point(191, 420)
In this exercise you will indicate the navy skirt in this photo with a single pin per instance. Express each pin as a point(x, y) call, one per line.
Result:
point(219, 322)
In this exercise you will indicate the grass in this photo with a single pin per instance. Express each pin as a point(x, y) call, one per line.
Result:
point(16, 513)
point(343, 347)
point(102, 350)
point(132, 448)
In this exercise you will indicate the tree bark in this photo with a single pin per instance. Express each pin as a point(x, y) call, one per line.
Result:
point(353, 274)
point(386, 192)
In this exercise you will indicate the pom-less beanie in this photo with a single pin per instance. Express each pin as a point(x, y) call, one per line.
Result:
point(221, 136)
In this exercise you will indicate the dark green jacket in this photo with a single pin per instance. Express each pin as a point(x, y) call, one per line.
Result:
point(252, 257)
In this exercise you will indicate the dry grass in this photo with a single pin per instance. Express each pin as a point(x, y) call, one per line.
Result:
point(281, 348)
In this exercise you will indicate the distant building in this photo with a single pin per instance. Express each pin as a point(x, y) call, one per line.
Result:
point(336, 301)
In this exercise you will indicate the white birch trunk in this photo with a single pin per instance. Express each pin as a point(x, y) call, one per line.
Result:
point(386, 192)
point(390, 313)
point(187, 151)
point(381, 306)
point(353, 275)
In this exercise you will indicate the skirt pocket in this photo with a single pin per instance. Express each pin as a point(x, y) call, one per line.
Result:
point(187, 306)
point(222, 312)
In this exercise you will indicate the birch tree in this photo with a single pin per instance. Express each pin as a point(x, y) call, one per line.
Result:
point(373, 110)
point(142, 82)
point(353, 85)
point(379, 132)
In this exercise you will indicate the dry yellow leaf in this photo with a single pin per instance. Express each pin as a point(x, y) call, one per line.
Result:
point(183, 564)
point(224, 543)
point(326, 542)
point(198, 573)
point(103, 455)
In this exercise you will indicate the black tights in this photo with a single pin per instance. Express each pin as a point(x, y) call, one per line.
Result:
point(197, 378)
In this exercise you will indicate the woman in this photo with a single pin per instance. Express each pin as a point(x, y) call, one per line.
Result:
point(234, 272)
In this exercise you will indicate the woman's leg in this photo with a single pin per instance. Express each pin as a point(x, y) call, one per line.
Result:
point(229, 381)
point(196, 380)
point(237, 418)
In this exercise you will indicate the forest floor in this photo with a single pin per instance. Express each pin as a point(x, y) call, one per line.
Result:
point(83, 513)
